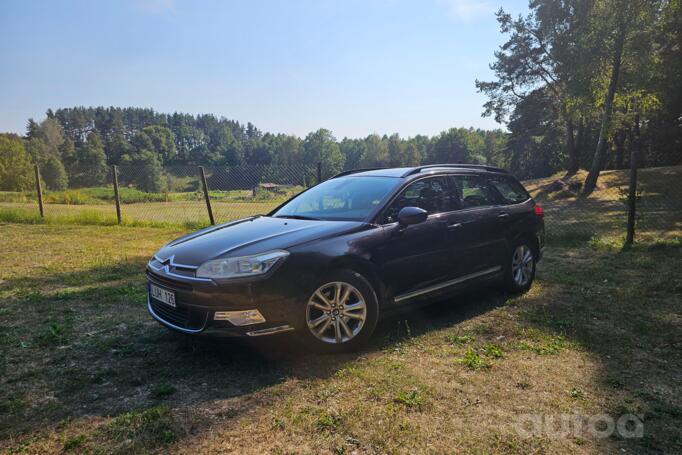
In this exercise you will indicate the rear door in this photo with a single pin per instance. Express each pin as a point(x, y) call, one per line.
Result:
point(474, 231)
point(515, 212)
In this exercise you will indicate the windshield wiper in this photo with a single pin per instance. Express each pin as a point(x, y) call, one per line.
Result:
point(298, 217)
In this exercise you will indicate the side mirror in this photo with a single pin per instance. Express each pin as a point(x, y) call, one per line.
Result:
point(411, 215)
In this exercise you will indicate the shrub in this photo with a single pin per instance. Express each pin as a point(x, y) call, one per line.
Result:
point(54, 174)
point(16, 172)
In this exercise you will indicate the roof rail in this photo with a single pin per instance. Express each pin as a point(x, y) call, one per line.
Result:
point(484, 167)
point(355, 171)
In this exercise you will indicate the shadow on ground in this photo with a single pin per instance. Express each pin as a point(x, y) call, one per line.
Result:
point(81, 343)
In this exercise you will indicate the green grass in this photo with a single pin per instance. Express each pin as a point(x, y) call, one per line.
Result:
point(411, 399)
point(128, 195)
point(473, 360)
point(90, 218)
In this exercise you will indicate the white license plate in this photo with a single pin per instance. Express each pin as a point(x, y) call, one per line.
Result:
point(162, 295)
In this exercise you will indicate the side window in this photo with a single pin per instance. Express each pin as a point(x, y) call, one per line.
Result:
point(510, 189)
point(472, 192)
point(429, 194)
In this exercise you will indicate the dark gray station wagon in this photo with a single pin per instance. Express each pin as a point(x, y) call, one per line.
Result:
point(328, 263)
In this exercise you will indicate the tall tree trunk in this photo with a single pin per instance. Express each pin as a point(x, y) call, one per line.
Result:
point(591, 180)
point(619, 140)
point(572, 152)
point(632, 189)
point(580, 141)
point(605, 157)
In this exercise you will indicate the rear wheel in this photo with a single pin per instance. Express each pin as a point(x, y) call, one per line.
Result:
point(341, 313)
point(520, 271)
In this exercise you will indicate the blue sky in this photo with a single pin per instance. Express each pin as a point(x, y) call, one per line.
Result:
point(292, 66)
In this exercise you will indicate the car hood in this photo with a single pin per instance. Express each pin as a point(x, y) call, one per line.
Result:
point(250, 236)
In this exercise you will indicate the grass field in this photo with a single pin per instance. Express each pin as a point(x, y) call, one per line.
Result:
point(83, 368)
point(164, 214)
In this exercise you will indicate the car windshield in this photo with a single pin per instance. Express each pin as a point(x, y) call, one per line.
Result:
point(339, 199)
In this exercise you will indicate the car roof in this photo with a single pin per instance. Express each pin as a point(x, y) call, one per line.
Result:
point(405, 172)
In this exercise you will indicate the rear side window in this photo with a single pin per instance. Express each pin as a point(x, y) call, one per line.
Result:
point(510, 189)
point(471, 191)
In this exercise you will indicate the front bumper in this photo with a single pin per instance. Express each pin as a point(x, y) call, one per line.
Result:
point(197, 303)
point(207, 330)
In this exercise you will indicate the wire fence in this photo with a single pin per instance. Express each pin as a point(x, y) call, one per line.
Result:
point(193, 196)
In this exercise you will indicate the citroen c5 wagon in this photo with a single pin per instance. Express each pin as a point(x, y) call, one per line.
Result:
point(331, 261)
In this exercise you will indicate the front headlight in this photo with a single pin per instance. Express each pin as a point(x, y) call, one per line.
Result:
point(241, 267)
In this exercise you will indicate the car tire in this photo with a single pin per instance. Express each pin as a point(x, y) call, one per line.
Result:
point(330, 323)
point(520, 267)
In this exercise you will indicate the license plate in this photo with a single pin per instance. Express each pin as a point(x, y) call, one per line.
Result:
point(162, 295)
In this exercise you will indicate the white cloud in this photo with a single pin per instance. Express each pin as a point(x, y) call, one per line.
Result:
point(468, 10)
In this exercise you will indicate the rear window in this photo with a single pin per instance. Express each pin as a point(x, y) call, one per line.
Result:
point(510, 189)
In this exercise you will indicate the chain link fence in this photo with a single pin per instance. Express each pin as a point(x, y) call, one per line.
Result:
point(181, 196)
point(604, 212)
point(159, 196)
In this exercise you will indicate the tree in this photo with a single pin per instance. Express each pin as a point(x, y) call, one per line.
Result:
point(450, 147)
point(16, 172)
point(54, 174)
point(376, 152)
point(162, 141)
point(534, 145)
point(37, 150)
point(90, 167)
point(535, 56)
point(147, 170)
point(396, 151)
point(412, 153)
point(622, 22)
point(321, 147)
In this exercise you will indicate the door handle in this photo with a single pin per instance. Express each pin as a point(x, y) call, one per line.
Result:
point(454, 225)
point(503, 215)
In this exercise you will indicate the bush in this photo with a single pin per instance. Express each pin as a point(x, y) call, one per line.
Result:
point(71, 197)
point(16, 197)
point(16, 172)
point(54, 174)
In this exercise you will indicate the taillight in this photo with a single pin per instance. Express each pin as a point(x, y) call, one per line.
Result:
point(538, 211)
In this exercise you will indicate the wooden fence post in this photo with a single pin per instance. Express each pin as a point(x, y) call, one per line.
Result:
point(117, 196)
point(40, 192)
point(206, 196)
point(319, 172)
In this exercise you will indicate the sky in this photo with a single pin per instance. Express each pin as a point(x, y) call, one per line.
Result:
point(355, 67)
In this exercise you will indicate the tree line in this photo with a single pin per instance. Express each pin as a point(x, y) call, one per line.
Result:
point(75, 147)
point(589, 84)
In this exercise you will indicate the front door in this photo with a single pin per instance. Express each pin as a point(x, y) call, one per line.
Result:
point(417, 256)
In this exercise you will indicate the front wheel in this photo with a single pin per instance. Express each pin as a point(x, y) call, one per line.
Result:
point(520, 270)
point(341, 313)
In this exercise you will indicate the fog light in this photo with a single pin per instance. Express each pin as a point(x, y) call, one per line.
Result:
point(239, 318)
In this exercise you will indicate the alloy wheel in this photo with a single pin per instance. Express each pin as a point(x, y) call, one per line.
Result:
point(336, 312)
point(522, 265)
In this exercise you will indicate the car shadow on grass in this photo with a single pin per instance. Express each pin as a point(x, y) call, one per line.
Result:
point(81, 344)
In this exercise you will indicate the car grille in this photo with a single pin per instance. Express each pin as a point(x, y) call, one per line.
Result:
point(165, 282)
point(179, 316)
